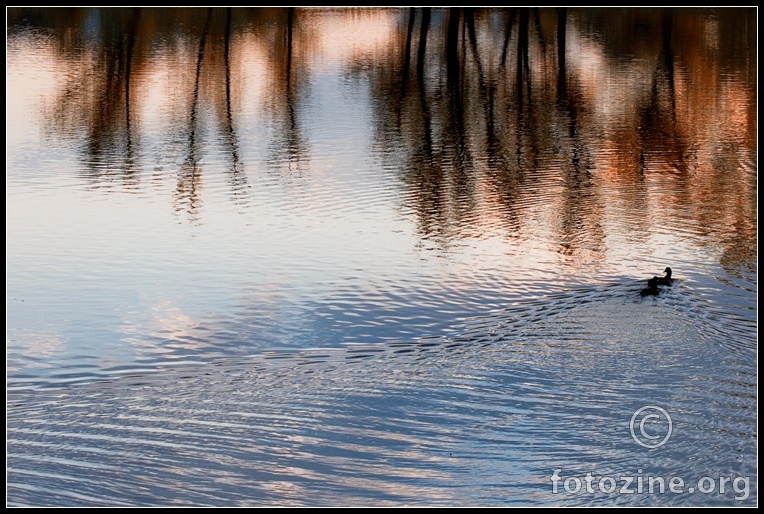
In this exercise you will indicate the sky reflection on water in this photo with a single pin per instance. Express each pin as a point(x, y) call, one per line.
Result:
point(210, 189)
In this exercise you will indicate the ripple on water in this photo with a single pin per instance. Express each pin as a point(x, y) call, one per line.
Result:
point(479, 417)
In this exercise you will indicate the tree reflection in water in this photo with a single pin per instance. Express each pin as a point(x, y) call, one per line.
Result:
point(482, 114)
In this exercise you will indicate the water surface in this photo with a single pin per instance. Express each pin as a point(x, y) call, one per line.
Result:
point(378, 256)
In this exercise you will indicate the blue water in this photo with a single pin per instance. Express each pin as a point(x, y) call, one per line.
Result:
point(244, 269)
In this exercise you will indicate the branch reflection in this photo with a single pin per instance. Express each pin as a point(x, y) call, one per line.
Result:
point(564, 125)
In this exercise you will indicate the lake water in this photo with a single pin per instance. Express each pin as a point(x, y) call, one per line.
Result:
point(381, 257)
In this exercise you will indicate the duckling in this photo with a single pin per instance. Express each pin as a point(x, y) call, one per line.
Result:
point(652, 287)
point(663, 281)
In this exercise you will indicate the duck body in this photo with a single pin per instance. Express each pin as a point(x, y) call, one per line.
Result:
point(652, 288)
point(663, 281)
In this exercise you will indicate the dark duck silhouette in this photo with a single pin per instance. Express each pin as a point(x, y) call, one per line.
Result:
point(663, 281)
point(652, 287)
